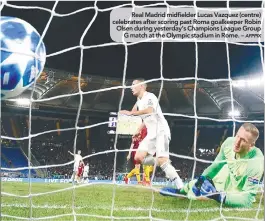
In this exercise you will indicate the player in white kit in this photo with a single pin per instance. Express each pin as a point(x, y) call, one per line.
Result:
point(85, 173)
point(77, 159)
point(158, 136)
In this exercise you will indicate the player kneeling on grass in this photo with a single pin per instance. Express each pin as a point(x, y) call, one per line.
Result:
point(233, 178)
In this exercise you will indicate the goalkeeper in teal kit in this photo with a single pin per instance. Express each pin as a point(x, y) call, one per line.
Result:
point(233, 178)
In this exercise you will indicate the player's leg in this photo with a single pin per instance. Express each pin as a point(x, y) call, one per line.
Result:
point(137, 172)
point(129, 175)
point(73, 176)
point(151, 169)
point(134, 171)
point(143, 155)
point(85, 175)
point(76, 178)
point(162, 153)
point(75, 171)
point(186, 191)
point(148, 172)
point(144, 166)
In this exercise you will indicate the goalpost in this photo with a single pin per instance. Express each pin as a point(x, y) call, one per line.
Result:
point(122, 127)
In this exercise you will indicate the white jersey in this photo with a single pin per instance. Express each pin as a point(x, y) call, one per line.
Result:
point(86, 169)
point(155, 123)
point(78, 158)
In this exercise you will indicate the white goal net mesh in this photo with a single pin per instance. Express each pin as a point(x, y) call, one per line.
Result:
point(149, 205)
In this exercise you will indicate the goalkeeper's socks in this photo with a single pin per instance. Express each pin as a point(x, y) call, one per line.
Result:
point(147, 174)
point(137, 173)
point(131, 173)
point(172, 174)
point(151, 169)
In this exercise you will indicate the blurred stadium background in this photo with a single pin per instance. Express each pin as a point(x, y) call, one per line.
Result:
point(213, 100)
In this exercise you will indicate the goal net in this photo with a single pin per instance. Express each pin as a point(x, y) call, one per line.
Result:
point(57, 199)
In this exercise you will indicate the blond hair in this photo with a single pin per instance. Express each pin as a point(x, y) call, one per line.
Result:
point(251, 128)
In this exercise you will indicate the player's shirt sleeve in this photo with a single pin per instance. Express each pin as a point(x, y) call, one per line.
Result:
point(218, 163)
point(250, 187)
point(151, 101)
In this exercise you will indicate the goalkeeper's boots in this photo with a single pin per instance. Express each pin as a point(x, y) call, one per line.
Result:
point(126, 179)
point(169, 191)
point(196, 189)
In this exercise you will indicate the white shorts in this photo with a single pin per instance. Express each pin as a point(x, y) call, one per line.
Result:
point(158, 145)
point(85, 175)
point(76, 165)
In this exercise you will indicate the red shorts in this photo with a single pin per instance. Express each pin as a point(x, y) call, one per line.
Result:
point(80, 171)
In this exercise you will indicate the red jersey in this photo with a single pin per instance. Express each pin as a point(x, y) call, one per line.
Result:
point(137, 141)
point(80, 170)
point(140, 137)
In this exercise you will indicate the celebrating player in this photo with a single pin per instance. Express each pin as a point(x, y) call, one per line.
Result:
point(85, 173)
point(135, 144)
point(233, 178)
point(77, 159)
point(158, 137)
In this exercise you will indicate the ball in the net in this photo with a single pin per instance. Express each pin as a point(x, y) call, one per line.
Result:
point(23, 56)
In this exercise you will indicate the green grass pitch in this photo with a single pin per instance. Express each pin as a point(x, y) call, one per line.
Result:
point(95, 202)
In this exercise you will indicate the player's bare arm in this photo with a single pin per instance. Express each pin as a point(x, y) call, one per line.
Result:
point(130, 151)
point(70, 152)
point(126, 112)
point(148, 110)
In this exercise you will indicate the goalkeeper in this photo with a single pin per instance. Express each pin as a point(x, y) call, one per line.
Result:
point(233, 178)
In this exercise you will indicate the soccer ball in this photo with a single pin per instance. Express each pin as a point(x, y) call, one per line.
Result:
point(21, 61)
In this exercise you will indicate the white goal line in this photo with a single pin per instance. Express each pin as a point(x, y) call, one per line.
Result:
point(55, 206)
point(74, 187)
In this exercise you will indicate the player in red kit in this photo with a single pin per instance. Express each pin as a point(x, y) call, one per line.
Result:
point(80, 171)
point(134, 146)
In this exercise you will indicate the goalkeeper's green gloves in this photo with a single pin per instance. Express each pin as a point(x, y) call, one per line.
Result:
point(204, 186)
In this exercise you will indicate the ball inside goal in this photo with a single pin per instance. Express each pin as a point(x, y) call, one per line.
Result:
point(23, 56)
